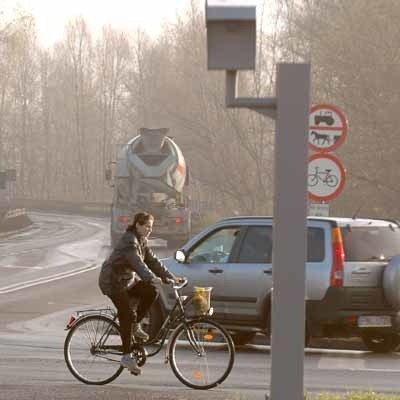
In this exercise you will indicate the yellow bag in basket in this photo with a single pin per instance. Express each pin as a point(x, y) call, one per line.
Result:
point(201, 299)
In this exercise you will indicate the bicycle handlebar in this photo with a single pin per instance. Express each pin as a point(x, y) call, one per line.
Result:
point(178, 286)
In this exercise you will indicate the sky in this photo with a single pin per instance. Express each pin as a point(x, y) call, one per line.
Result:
point(51, 15)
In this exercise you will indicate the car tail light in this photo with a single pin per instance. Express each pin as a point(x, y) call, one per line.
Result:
point(125, 219)
point(338, 258)
point(178, 220)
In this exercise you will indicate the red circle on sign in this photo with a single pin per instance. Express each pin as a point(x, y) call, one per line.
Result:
point(343, 128)
point(338, 190)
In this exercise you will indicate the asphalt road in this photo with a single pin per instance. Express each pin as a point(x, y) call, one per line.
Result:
point(51, 270)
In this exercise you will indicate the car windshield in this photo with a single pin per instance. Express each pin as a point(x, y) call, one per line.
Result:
point(369, 243)
point(216, 248)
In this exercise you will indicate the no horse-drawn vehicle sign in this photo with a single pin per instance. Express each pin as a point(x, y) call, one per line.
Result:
point(327, 128)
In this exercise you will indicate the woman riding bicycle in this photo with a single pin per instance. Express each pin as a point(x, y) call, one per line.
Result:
point(133, 271)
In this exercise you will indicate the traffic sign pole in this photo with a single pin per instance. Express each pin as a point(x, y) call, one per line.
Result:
point(290, 220)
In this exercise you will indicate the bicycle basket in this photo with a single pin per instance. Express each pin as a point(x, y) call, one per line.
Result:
point(201, 301)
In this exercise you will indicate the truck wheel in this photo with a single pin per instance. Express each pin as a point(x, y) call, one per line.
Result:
point(380, 342)
point(307, 336)
point(114, 239)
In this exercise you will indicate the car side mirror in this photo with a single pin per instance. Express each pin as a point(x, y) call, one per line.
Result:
point(180, 256)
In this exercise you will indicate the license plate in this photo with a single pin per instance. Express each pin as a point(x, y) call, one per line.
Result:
point(372, 321)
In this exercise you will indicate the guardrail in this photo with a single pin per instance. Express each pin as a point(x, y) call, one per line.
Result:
point(100, 209)
point(14, 220)
point(15, 213)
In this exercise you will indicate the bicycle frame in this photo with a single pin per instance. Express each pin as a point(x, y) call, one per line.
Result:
point(174, 318)
point(193, 350)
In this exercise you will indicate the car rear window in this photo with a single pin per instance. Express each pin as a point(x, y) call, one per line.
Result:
point(257, 245)
point(369, 243)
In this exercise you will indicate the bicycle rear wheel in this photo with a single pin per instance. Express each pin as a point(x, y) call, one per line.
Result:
point(201, 353)
point(93, 349)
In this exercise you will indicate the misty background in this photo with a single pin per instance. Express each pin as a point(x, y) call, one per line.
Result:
point(66, 110)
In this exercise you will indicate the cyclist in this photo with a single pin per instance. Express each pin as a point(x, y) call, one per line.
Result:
point(133, 271)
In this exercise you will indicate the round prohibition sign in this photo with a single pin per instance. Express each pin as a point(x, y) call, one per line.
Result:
point(327, 128)
point(326, 177)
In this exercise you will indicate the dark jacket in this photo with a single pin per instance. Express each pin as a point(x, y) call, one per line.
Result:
point(128, 263)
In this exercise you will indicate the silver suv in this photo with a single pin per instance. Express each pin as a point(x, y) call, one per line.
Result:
point(352, 277)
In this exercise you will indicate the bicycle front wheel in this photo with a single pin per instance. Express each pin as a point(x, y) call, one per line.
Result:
point(312, 179)
point(332, 180)
point(201, 353)
point(93, 349)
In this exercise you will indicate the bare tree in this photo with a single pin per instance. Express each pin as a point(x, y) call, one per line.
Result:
point(112, 63)
point(79, 53)
point(354, 66)
point(230, 151)
point(45, 124)
point(23, 92)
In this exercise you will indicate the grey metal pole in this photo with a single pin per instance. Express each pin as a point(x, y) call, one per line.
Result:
point(290, 218)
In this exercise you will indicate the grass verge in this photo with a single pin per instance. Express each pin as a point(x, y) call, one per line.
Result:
point(354, 396)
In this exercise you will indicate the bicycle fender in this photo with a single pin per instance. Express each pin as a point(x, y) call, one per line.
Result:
point(75, 318)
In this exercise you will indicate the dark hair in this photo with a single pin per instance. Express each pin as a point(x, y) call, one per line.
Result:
point(140, 218)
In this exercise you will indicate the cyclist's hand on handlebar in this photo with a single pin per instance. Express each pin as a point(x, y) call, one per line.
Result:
point(175, 280)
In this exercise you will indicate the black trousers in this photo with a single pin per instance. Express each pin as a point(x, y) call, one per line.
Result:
point(146, 294)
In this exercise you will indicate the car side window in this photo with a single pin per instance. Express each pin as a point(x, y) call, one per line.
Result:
point(216, 248)
point(257, 245)
point(315, 245)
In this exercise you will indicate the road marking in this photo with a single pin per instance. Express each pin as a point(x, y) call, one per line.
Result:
point(340, 362)
point(381, 370)
point(47, 279)
point(20, 267)
point(349, 364)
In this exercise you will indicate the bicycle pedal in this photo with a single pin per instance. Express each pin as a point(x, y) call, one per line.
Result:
point(136, 373)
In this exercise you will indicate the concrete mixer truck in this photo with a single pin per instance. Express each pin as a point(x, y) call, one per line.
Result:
point(150, 175)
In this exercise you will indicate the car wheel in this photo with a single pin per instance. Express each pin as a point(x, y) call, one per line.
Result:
point(242, 338)
point(152, 321)
point(380, 342)
point(307, 336)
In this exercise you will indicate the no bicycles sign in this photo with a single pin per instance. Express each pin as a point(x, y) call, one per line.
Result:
point(326, 177)
point(327, 128)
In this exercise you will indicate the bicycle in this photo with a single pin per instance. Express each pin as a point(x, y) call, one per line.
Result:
point(200, 351)
point(326, 177)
